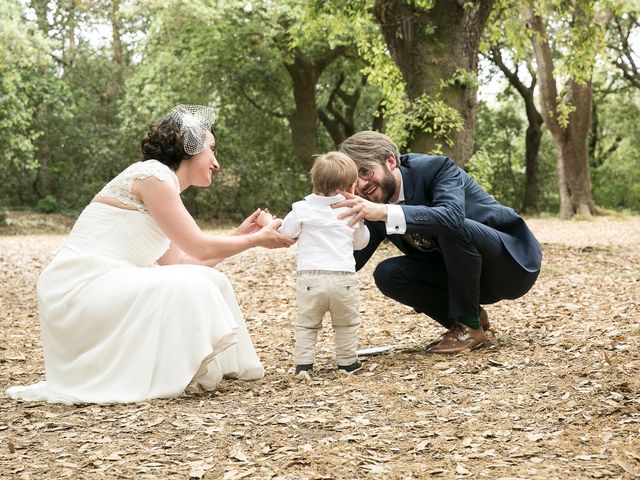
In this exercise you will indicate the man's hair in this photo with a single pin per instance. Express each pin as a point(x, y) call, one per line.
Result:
point(333, 171)
point(369, 148)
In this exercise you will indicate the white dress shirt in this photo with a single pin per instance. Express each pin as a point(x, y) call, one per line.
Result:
point(324, 242)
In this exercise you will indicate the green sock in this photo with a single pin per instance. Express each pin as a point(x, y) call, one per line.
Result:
point(471, 321)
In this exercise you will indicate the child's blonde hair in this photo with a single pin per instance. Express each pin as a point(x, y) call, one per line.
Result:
point(333, 171)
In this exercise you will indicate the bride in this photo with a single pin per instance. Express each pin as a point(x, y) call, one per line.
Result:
point(130, 308)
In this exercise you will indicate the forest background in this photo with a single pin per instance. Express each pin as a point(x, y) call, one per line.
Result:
point(538, 99)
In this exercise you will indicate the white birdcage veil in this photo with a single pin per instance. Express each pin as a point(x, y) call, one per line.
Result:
point(194, 121)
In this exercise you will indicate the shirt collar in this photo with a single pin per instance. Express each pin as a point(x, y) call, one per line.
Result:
point(320, 200)
point(401, 194)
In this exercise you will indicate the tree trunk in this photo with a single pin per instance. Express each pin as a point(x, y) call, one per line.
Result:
point(72, 45)
point(340, 122)
point(533, 136)
point(117, 51)
point(116, 27)
point(430, 47)
point(305, 73)
point(575, 182)
point(304, 118)
point(42, 183)
point(570, 137)
point(377, 122)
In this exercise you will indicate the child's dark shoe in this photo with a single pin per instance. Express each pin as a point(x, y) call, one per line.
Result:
point(306, 367)
point(353, 368)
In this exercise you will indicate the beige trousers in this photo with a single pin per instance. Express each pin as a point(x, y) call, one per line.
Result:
point(318, 292)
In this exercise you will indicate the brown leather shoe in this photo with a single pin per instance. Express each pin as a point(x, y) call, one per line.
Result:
point(435, 342)
point(459, 339)
point(484, 319)
point(484, 323)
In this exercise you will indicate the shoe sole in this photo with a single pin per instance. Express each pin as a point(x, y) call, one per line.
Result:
point(350, 372)
point(475, 347)
point(344, 372)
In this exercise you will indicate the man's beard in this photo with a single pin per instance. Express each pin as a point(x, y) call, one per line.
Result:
point(388, 185)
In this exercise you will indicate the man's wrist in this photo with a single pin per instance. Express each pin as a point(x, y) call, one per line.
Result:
point(395, 221)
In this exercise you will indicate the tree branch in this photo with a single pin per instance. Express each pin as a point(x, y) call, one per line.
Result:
point(625, 63)
point(324, 61)
point(496, 57)
point(260, 107)
point(544, 60)
point(337, 119)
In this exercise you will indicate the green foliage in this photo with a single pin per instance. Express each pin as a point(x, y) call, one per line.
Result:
point(257, 170)
point(60, 131)
point(498, 163)
point(22, 59)
point(461, 78)
point(575, 32)
point(423, 4)
point(505, 28)
point(48, 204)
point(481, 167)
point(64, 136)
point(615, 165)
point(382, 72)
point(434, 116)
point(234, 56)
point(564, 111)
point(402, 117)
point(429, 30)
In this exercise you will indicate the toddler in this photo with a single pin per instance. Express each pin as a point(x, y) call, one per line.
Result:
point(326, 268)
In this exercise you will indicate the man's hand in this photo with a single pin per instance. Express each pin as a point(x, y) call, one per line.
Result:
point(361, 209)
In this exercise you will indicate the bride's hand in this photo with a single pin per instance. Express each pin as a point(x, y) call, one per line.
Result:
point(269, 237)
point(249, 225)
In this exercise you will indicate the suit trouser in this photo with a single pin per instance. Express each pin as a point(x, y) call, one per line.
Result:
point(319, 292)
point(469, 269)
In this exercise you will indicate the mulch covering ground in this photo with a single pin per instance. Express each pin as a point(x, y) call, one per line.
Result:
point(555, 394)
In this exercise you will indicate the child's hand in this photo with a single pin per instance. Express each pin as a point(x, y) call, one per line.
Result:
point(265, 218)
point(249, 225)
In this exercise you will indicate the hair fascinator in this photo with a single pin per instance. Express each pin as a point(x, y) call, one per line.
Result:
point(194, 122)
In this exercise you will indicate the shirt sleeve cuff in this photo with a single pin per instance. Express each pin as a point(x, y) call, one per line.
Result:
point(396, 223)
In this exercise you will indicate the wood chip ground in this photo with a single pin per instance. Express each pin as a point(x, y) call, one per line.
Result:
point(556, 393)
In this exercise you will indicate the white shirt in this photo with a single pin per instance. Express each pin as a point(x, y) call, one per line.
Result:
point(324, 242)
point(396, 223)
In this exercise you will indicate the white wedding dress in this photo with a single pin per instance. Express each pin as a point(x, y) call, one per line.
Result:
point(117, 327)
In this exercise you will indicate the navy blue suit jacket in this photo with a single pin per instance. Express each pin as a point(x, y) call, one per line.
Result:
point(439, 196)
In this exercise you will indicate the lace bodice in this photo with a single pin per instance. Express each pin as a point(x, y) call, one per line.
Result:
point(120, 187)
